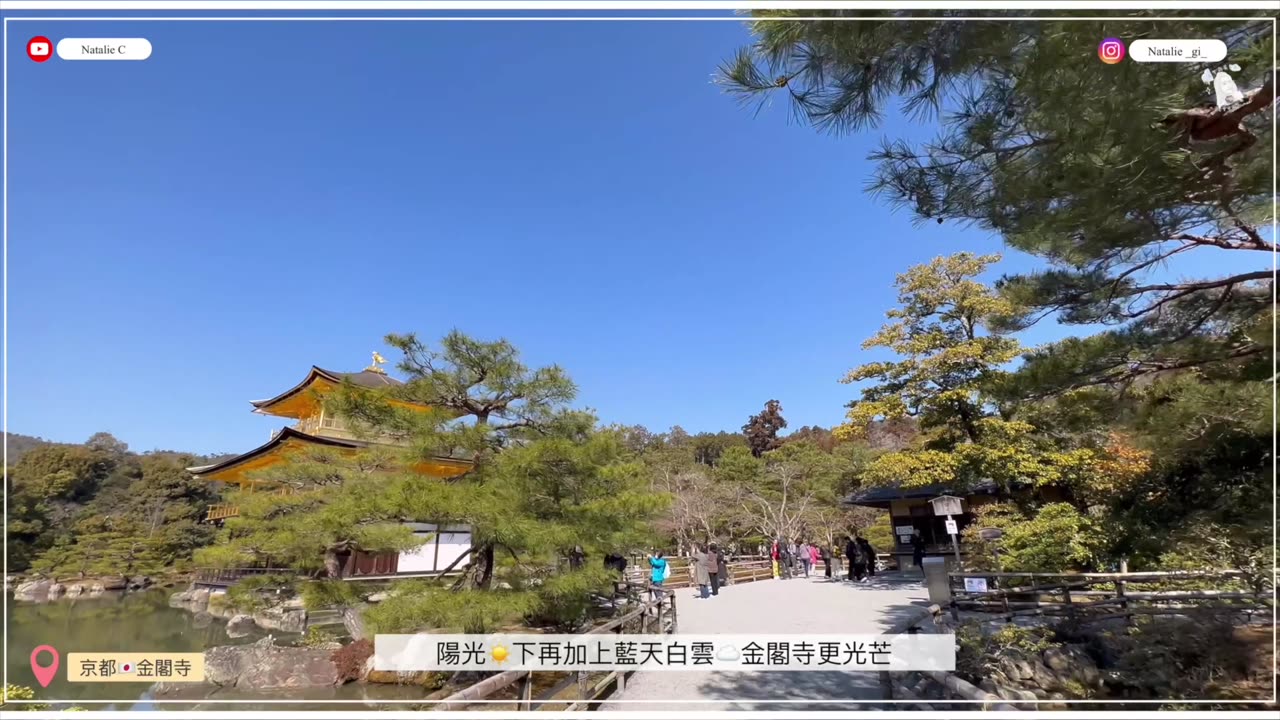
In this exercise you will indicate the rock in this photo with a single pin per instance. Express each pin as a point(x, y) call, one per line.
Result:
point(1043, 677)
point(353, 621)
point(113, 583)
point(97, 589)
point(195, 599)
point(201, 620)
point(281, 618)
point(1040, 694)
point(137, 582)
point(33, 590)
point(263, 665)
point(1057, 658)
point(379, 596)
point(56, 590)
point(240, 625)
point(75, 590)
point(1015, 667)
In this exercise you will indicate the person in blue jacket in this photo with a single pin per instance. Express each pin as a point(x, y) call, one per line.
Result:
point(657, 573)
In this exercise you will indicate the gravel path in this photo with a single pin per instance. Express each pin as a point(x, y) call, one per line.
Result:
point(812, 605)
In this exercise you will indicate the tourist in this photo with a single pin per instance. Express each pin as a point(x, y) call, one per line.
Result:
point(826, 561)
point(917, 549)
point(777, 565)
point(859, 560)
point(851, 553)
point(713, 568)
point(815, 555)
point(698, 566)
point(722, 568)
point(805, 556)
point(837, 564)
point(868, 554)
point(659, 570)
point(788, 559)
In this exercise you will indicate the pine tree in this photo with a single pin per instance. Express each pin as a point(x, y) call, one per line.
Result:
point(542, 480)
point(1105, 171)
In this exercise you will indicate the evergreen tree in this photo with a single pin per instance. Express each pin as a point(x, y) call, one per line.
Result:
point(1106, 171)
point(542, 480)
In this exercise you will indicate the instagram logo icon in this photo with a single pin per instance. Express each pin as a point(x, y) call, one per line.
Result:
point(1111, 51)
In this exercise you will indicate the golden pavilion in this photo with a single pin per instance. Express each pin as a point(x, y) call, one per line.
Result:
point(316, 427)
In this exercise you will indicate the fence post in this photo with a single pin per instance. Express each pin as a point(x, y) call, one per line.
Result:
point(886, 686)
point(526, 692)
point(1066, 599)
point(583, 689)
point(1120, 586)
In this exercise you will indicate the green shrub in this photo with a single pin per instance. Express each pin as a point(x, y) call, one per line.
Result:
point(318, 637)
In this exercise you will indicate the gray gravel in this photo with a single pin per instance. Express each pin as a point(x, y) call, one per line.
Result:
point(801, 605)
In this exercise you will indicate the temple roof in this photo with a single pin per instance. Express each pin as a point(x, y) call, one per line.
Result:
point(279, 439)
point(882, 495)
point(296, 403)
point(261, 456)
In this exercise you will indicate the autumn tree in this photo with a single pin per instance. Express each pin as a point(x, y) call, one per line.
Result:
point(762, 429)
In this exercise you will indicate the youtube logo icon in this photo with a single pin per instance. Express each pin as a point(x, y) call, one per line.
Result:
point(39, 48)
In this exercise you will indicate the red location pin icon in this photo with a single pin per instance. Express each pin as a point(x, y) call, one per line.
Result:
point(44, 673)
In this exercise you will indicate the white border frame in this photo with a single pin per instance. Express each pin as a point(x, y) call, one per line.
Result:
point(609, 5)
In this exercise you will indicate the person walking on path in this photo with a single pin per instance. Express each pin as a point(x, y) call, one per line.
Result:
point(701, 577)
point(826, 561)
point(868, 554)
point(658, 571)
point(713, 568)
point(815, 556)
point(806, 557)
point(852, 553)
point(722, 567)
point(777, 560)
point(837, 564)
point(859, 560)
point(917, 549)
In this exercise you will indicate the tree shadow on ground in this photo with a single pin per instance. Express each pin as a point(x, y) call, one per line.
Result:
point(766, 690)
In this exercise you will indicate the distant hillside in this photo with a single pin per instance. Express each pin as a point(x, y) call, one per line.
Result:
point(20, 445)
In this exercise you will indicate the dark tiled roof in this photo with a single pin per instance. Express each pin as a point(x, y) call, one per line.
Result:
point(364, 378)
point(885, 493)
point(279, 438)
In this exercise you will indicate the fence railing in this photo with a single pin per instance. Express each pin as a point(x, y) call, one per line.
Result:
point(646, 614)
point(230, 576)
point(682, 573)
point(931, 687)
point(1096, 597)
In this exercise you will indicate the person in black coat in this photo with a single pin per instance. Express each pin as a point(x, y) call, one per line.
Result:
point(917, 549)
point(868, 554)
point(852, 554)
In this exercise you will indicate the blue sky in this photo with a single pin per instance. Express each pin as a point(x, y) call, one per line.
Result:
point(194, 231)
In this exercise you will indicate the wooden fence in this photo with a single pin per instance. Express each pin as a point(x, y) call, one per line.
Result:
point(1096, 597)
point(931, 687)
point(743, 569)
point(574, 690)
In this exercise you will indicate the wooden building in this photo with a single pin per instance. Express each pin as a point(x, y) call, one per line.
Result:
point(910, 510)
point(316, 427)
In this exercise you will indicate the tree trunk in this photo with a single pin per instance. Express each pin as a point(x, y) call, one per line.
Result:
point(482, 574)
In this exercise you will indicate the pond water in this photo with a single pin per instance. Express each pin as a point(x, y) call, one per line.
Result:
point(143, 621)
